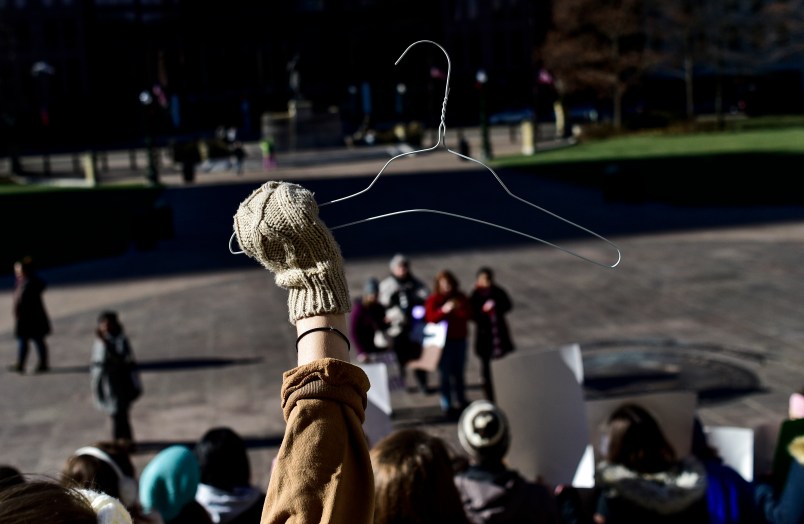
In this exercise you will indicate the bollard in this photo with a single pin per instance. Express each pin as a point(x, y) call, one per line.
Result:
point(88, 160)
point(527, 137)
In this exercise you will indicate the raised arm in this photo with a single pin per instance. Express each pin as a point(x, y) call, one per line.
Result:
point(322, 471)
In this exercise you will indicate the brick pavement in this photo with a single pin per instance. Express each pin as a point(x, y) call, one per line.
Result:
point(213, 337)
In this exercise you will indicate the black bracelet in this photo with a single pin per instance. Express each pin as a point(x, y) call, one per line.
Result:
point(324, 328)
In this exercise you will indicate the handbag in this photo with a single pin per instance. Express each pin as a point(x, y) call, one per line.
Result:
point(433, 341)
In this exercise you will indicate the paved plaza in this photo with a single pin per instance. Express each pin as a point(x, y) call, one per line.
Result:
point(717, 299)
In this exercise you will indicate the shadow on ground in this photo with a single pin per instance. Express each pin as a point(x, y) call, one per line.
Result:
point(194, 363)
point(558, 207)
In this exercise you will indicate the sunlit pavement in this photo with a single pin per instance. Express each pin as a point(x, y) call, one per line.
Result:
point(211, 332)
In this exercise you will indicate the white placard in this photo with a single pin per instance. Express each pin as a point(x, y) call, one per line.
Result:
point(379, 393)
point(735, 446)
point(544, 404)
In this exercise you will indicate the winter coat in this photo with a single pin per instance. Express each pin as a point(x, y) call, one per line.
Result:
point(114, 379)
point(31, 319)
point(364, 322)
point(492, 337)
point(457, 319)
point(677, 495)
point(323, 470)
point(730, 498)
point(503, 496)
point(786, 507)
point(399, 296)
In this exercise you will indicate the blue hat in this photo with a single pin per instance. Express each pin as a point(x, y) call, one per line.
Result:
point(372, 287)
point(169, 481)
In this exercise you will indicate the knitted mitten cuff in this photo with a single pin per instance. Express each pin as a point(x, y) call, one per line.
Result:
point(278, 225)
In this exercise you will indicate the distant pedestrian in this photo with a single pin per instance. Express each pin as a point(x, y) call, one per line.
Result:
point(268, 149)
point(115, 378)
point(190, 157)
point(240, 155)
point(490, 303)
point(463, 145)
point(31, 321)
point(448, 303)
point(367, 324)
point(401, 292)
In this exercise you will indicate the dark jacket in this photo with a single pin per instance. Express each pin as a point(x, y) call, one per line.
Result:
point(364, 322)
point(113, 374)
point(496, 497)
point(492, 337)
point(786, 507)
point(31, 319)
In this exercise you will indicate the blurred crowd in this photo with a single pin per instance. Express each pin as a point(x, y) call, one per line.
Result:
point(327, 468)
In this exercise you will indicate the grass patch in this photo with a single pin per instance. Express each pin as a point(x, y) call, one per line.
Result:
point(657, 145)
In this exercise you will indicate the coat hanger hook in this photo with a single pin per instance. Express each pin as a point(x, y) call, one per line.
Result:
point(442, 127)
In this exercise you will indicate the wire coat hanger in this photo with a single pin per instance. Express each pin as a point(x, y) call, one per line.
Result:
point(441, 134)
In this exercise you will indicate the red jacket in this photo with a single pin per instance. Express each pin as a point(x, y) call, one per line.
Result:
point(457, 319)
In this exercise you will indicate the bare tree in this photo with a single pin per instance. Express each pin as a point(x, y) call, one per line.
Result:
point(599, 46)
point(723, 38)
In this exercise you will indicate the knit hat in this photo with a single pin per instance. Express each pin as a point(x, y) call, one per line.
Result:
point(169, 481)
point(483, 431)
point(372, 287)
point(278, 225)
point(398, 260)
point(796, 405)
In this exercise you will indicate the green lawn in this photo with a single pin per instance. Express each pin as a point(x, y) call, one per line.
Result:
point(647, 146)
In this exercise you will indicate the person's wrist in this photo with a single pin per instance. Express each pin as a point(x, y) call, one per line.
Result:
point(322, 344)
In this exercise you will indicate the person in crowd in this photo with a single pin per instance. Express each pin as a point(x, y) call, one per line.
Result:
point(239, 152)
point(449, 303)
point(106, 467)
point(778, 497)
point(49, 502)
point(10, 476)
point(642, 480)
point(322, 471)
point(268, 150)
point(413, 478)
point(31, 321)
point(786, 506)
point(789, 429)
point(114, 377)
point(729, 496)
point(168, 485)
point(367, 322)
point(401, 293)
point(490, 491)
point(490, 303)
point(225, 489)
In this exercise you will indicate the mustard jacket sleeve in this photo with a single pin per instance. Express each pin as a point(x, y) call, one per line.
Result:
point(323, 471)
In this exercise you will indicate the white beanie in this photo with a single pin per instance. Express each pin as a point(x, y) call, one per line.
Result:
point(483, 430)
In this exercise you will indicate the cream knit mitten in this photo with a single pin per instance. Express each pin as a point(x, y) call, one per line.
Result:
point(278, 225)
